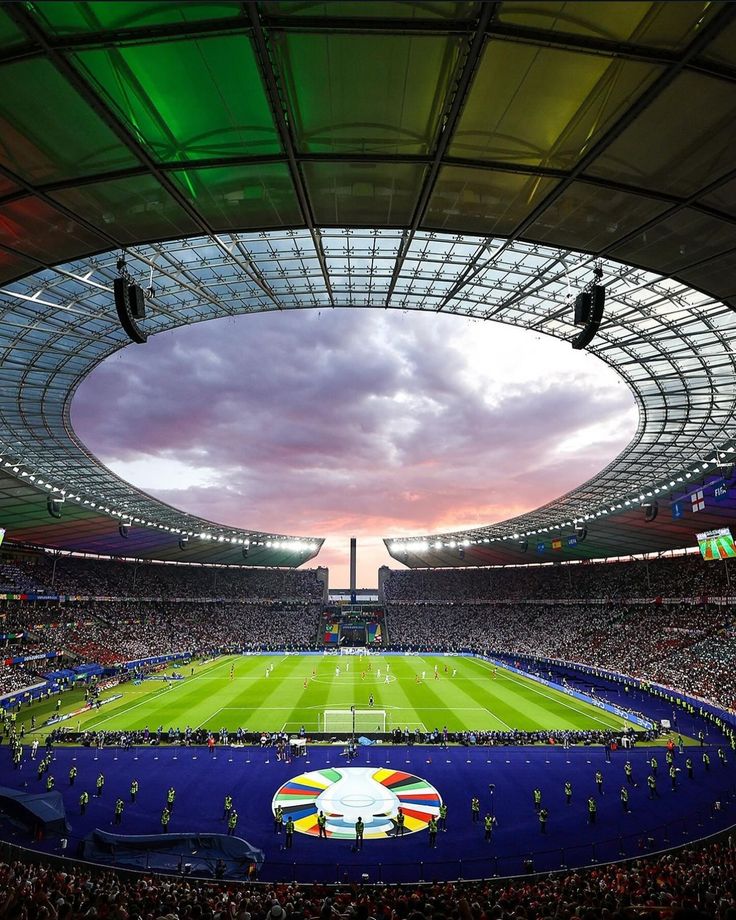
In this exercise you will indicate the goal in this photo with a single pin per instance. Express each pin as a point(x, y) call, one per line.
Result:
point(340, 721)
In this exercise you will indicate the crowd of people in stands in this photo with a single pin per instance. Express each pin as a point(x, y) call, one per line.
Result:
point(692, 883)
point(583, 613)
point(689, 645)
point(259, 609)
point(683, 576)
point(110, 633)
point(43, 574)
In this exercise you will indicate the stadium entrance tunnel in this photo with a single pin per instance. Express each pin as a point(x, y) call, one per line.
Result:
point(652, 324)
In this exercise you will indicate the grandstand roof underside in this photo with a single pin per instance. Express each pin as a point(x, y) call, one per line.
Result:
point(451, 156)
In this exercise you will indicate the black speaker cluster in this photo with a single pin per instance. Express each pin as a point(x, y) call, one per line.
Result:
point(651, 510)
point(130, 302)
point(589, 306)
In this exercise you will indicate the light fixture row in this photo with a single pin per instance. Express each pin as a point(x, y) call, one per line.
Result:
point(642, 497)
point(61, 494)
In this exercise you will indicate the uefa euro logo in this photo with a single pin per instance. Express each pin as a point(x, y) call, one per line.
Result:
point(347, 793)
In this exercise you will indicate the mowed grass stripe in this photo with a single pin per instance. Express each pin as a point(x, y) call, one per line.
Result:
point(275, 696)
point(399, 698)
point(544, 702)
point(478, 705)
point(473, 711)
point(148, 703)
point(472, 700)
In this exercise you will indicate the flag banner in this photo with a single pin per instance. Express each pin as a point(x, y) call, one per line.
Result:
point(572, 541)
point(541, 547)
point(720, 490)
point(677, 510)
point(698, 500)
point(332, 633)
point(557, 544)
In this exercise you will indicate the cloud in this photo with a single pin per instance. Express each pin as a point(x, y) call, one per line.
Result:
point(353, 423)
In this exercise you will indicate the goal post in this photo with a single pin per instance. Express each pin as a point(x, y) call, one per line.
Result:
point(340, 721)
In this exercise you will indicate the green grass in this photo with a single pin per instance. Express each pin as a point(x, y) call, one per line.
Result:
point(473, 699)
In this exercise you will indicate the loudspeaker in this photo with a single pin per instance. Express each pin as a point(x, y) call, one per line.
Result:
point(598, 302)
point(53, 506)
point(137, 302)
point(651, 510)
point(124, 309)
point(582, 308)
point(244, 551)
point(123, 530)
point(581, 533)
point(183, 543)
point(523, 545)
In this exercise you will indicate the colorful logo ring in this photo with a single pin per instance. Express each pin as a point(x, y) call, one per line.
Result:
point(345, 794)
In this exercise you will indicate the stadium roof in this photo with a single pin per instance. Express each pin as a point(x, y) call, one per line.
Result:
point(434, 155)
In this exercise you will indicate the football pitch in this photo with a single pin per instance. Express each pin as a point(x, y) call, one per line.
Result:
point(284, 693)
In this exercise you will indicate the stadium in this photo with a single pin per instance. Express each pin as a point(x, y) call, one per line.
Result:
point(535, 717)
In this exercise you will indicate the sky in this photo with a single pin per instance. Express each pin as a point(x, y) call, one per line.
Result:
point(364, 423)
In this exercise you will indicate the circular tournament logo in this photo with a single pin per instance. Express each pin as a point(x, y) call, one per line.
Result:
point(347, 793)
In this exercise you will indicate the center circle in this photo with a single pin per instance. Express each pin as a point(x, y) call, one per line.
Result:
point(343, 795)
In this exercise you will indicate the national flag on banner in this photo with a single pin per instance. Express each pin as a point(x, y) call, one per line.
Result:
point(541, 547)
point(572, 541)
point(720, 491)
point(677, 510)
point(557, 544)
point(698, 500)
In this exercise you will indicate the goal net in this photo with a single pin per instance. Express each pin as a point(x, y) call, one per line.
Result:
point(340, 721)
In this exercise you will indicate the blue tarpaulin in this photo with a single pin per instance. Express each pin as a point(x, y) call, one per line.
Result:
point(173, 852)
point(36, 810)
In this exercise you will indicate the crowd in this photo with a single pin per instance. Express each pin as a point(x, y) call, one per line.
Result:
point(114, 632)
point(688, 647)
point(111, 633)
point(685, 576)
point(17, 677)
point(693, 883)
point(43, 574)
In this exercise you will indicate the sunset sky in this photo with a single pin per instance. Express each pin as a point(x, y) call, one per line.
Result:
point(361, 423)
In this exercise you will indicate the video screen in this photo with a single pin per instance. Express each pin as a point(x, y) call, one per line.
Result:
point(716, 544)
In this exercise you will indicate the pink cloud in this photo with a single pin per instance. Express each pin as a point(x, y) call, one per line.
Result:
point(353, 423)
